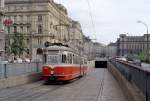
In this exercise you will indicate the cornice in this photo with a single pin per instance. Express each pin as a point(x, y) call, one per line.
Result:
point(26, 1)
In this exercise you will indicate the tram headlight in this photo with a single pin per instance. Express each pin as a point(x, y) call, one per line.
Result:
point(52, 72)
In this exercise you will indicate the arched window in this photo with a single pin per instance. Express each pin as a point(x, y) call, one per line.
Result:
point(15, 29)
point(39, 51)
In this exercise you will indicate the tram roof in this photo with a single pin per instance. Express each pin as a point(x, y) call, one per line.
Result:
point(61, 48)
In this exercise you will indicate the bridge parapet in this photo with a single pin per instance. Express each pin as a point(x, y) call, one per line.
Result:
point(136, 76)
point(13, 74)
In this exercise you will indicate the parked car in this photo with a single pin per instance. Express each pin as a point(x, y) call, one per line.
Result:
point(122, 58)
point(18, 60)
point(137, 62)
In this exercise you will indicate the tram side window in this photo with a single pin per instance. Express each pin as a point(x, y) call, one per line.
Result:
point(85, 62)
point(45, 58)
point(82, 61)
point(73, 59)
point(78, 59)
point(64, 59)
point(70, 59)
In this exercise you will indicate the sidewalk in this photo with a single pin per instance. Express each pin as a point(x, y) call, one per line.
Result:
point(111, 89)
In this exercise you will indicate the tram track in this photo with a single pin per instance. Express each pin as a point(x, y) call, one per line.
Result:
point(23, 92)
point(101, 86)
point(77, 89)
point(40, 92)
point(27, 92)
point(14, 91)
point(91, 87)
point(76, 83)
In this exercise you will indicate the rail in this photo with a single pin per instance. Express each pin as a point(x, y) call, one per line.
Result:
point(136, 75)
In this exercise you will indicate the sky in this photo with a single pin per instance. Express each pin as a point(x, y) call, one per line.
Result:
point(110, 17)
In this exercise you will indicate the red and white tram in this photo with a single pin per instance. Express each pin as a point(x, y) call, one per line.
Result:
point(62, 63)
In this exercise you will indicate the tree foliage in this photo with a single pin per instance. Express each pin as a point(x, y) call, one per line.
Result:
point(143, 55)
point(18, 45)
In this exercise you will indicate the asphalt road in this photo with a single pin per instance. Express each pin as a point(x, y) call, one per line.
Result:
point(98, 85)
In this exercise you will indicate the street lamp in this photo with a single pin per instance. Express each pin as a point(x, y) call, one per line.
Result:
point(146, 31)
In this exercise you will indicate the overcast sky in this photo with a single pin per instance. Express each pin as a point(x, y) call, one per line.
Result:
point(110, 17)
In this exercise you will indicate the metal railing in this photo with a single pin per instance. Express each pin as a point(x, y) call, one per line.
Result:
point(136, 75)
point(16, 69)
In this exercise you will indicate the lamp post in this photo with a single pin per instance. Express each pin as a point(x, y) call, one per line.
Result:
point(146, 31)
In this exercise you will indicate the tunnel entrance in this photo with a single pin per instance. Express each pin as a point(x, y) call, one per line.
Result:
point(100, 63)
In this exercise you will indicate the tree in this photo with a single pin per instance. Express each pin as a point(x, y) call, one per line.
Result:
point(143, 55)
point(18, 45)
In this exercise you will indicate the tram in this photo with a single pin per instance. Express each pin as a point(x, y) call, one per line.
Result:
point(62, 63)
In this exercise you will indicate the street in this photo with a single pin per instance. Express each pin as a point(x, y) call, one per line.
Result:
point(97, 85)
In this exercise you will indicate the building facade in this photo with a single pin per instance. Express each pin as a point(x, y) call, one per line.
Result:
point(99, 50)
point(88, 48)
point(40, 21)
point(2, 33)
point(111, 50)
point(76, 36)
point(132, 44)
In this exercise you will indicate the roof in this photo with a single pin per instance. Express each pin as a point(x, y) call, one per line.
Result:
point(61, 48)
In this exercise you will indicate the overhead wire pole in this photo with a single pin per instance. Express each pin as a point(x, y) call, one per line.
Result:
point(93, 27)
point(91, 16)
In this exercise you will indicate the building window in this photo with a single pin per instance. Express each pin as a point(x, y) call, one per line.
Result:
point(21, 18)
point(28, 18)
point(28, 29)
point(51, 25)
point(28, 41)
point(21, 29)
point(15, 29)
point(39, 29)
point(39, 41)
point(39, 18)
point(9, 30)
point(15, 18)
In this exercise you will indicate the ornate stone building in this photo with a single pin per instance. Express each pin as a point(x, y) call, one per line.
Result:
point(132, 44)
point(111, 50)
point(99, 50)
point(76, 36)
point(2, 35)
point(40, 21)
point(88, 48)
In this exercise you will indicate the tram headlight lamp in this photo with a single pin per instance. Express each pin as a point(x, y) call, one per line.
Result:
point(52, 72)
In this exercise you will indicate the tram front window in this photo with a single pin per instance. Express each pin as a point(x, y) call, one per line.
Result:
point(53, 59)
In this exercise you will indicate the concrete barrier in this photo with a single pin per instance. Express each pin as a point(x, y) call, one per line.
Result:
point(131, 91)
point(19, 80)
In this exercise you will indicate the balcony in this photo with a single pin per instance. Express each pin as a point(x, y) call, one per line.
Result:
point(22, 22)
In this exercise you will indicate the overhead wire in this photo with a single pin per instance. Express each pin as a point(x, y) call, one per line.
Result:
point(91, 17)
